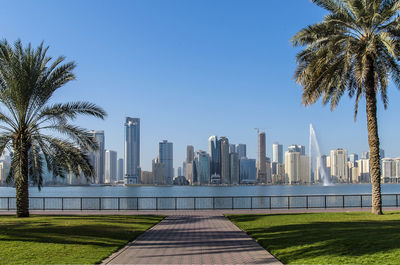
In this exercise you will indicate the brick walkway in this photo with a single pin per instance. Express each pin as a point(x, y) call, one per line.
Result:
point(193, 239)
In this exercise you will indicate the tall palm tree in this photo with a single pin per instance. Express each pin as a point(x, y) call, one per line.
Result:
point(354, 50)
point(34, 130)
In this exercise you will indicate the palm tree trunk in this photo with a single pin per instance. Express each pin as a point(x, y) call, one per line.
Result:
point(373, 141)
point(21, 179)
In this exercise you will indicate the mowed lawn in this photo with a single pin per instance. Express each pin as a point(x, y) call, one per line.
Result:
point(67, 239)
point(326, 238)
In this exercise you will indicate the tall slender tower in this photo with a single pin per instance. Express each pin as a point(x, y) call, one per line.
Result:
point(132, 151)
point(277, 153)
point(189, 163)
point(166, 157)
point(214, 150)
point(261, 166)
point(97, 157)
point(225, 177)
point(111, 166)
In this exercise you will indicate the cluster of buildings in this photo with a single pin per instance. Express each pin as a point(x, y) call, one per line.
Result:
point(224, 163)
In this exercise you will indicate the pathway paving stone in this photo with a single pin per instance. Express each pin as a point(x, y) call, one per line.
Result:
point(193, 239)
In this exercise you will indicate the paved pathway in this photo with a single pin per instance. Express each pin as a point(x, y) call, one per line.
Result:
point(193, 239)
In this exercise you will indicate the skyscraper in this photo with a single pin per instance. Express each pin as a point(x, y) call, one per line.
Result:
point(241, 150)
point(189, 163)
point(339, 165)
point(214, 150)
point(277, 153)
point(234, 168)
point(111, 166)
point(132, 151)
point(297, 148)
point(261, 164)
point(247, 170)
point(166, 157)
point(225, 177)
point(159, 172)
point(232, 148)
point(97, 157)
point(120, 169)
point(202, 161)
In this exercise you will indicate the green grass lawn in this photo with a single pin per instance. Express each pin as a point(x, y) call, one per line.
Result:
point(67, 239)
point(326, 238)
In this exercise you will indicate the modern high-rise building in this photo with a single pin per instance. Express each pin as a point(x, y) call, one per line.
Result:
point(120, 169)
point(339, 165)
point(214, 150)
point(179, 172)
point(189, 163)
point(132, 151)
point(184, 168)
point(261, 164)
point(297, 167)
point(225, 177)
point(159, 172)
point(111, 166)
point(353, 158)
point(277, 153)
point(297, 148)
point(232, 148)
point(202, 162)
point(234, 167)
point(247, 171)
point(166, 155)
point(97, 157)
point(241, 150)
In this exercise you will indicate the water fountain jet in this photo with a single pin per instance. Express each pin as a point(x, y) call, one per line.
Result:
point(316, 163)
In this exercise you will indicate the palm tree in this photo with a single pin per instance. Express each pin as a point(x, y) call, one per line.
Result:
point(353, 50)
point(34, 130)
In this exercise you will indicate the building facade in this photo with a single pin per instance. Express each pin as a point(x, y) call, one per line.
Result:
point(166, 157)
point(132, 151)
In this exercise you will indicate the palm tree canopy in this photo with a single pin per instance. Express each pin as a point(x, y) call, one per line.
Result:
point(28, 79)
point(354, 38)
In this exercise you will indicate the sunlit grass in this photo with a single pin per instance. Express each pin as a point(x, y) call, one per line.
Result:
point(326, 238)
point(67, 239)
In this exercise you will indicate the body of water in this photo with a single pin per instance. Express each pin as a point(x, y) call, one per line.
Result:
point(199, 191)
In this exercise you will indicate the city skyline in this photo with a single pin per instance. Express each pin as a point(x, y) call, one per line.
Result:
point(216, 57)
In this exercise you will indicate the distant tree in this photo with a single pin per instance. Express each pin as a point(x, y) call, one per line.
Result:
point(34, 130)
point(354, 50)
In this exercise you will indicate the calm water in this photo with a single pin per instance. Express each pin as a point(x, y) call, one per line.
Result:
point(197, 191)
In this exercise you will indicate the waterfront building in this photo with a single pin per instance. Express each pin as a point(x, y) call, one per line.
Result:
point(232, 148)
point(132, 151)
point(179, 172)
point(247, 171)
point(297, 148)
point(147, 178)
point(297, 168)
point(268, 171)
point(225, 177)
point(97, 157)
point(364, 174)
point(339, 166)
point(202, 162)
point(389, 170)
point(4, 170)
point(111, 167)
point(234, 167)
point(166, 157)
point(353, 158)
point(352, 172)
point(397, 169)
point(120, 169)
point(184, 168)
point(277, 153)
point(278, 173)
point(189, 163)
point(214, 150)
point(261, 163)
point(159, 172)
point(241, 150)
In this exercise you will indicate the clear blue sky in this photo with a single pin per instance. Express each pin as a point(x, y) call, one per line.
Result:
point(190, 69)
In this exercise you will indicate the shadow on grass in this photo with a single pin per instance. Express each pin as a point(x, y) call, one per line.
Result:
point(105, 231)
point(314, 239)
